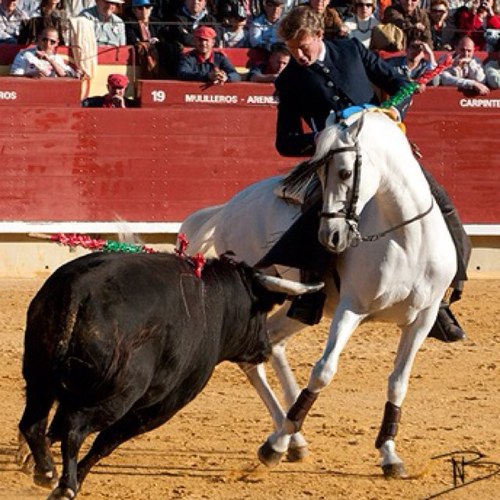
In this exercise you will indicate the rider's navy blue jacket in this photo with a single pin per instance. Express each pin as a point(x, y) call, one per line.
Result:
point(310, 93)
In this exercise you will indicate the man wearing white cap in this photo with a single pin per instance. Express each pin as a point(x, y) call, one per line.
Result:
point(109, 28)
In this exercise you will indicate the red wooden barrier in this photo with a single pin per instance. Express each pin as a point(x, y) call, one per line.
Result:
point(56, 92)
point(188, 148)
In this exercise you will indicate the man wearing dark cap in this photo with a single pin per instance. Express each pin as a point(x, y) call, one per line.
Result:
point(190, 15)
point(115, 98)
point(263, 30)
point(203, 64)
point(235, 33)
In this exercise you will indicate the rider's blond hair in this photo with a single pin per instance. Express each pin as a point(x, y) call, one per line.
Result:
point(300, 21)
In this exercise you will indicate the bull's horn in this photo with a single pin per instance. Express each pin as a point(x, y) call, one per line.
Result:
point(274, 284)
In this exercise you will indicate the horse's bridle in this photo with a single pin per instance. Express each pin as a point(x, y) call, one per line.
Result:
point(349, 212)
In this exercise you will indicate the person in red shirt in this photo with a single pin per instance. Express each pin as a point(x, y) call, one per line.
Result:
point(115, 98)
point(475, 20)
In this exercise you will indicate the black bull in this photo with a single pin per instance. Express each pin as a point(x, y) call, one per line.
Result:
point(123, 341)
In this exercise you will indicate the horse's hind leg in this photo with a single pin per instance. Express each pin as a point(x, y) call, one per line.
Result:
point(256, 374)
point(32, 427)
point(281, 328)
point(297, 450)
point(412, 337)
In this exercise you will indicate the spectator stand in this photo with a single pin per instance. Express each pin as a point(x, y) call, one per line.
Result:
point(122, 60)
point(110, 60)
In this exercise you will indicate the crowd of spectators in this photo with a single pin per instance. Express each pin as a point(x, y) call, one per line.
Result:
point(163, 33)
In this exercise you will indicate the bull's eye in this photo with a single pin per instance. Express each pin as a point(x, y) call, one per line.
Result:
point(344, 174)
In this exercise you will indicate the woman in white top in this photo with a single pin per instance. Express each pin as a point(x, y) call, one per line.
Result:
point(363, 20)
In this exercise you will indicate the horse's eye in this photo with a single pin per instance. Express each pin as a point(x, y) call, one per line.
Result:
point(344, 174)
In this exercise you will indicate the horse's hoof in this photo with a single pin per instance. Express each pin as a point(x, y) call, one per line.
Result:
point(62, 494)
point(394, 471)
point(297, 454)
point(268, 456)
point(45, 479)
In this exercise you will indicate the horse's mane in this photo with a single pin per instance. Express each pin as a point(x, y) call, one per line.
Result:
point(297, 182)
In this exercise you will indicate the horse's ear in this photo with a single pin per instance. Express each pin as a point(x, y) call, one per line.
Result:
point(356, 126)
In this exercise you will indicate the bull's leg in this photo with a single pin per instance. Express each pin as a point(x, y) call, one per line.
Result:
point(343, 324)
point(412, 338)
point(72, 431)
point(130, 425)
point(33, 426)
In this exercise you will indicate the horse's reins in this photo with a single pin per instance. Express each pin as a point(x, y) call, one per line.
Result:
point(349, 212)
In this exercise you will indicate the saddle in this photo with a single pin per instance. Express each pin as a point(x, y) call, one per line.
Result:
point(299, 247)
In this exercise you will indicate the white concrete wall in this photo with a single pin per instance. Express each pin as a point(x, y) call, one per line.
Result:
point(25, 257)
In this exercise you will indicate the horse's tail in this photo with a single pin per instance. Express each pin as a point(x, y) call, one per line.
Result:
point(199, 229)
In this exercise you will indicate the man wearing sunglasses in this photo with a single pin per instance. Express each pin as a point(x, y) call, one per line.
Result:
point(42, 61)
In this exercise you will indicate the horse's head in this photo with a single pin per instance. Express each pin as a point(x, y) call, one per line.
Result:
point(346, 190)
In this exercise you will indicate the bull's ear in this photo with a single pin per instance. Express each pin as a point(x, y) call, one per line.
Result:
point(288, 287)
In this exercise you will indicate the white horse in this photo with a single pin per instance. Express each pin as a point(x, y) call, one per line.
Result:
point(372, 185)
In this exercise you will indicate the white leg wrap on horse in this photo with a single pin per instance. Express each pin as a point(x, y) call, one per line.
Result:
point(388, 454)
point(279, 441)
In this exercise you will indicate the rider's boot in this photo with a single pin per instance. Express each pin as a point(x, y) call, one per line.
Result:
point(446, 327)
point(308, 308)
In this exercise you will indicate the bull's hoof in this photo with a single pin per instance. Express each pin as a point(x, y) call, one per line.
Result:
point(297, 454)
point(268, 456)
point(25, 460)
point(62, 494)
point(394, 471)
point(45, 479)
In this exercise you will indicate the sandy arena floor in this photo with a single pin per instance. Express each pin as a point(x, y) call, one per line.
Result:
point(208, 450)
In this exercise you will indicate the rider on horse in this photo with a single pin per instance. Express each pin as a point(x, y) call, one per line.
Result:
point(325, 77)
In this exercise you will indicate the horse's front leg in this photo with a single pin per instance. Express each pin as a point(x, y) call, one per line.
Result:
point(412, 337)
point(343, 324)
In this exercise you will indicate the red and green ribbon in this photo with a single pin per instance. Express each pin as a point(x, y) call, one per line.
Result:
point(409, 89)
point(84, 241)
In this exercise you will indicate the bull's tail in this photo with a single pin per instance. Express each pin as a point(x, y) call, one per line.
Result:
point(79, 370)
